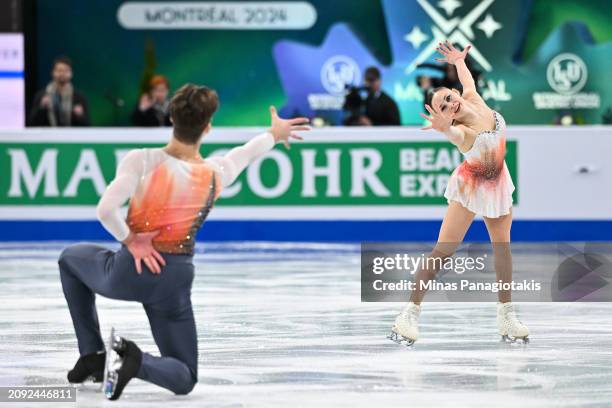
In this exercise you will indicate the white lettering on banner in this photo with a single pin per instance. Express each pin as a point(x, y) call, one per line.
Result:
point(331, 172)
point(423, 159)
point(325, 102)
point(21, 170)
point(285, 175)
point(363, 173)
point(426, 159)
point(423, 185)
point(496, 91)
point(87, 168)
point(408, 185)
point(205, 15)
point(570, 147)
point(551, 100)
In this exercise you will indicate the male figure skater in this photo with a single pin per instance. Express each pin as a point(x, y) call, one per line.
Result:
point(170, 191)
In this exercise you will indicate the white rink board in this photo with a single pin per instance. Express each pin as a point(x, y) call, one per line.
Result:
point(564, 173)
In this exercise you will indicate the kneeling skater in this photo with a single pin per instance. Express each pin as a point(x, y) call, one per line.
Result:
point(170, 190)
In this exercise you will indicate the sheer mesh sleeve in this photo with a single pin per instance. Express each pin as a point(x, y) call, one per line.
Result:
point(129, 172)
point(237, 159)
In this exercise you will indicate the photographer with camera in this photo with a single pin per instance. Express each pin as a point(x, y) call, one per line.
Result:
point(354, 108)
point(368, 105)
point(379, 107)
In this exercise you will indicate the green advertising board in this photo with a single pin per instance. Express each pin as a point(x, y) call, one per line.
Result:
point(331, 173)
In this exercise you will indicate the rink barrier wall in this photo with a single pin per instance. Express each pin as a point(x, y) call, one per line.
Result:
point(340, 184)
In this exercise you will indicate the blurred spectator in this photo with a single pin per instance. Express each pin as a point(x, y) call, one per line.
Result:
point(152, 109)
point(59, 104)
point(380, 109)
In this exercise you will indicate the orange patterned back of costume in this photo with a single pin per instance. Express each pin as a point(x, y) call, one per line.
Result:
point(174, 199)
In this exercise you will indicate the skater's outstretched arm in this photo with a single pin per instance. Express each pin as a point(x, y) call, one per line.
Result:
point(236, 160)
point(457, 58)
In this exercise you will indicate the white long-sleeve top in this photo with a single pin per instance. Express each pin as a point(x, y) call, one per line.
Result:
point(169, 195)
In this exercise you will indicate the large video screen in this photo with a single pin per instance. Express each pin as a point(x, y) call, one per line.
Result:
point(536, 64)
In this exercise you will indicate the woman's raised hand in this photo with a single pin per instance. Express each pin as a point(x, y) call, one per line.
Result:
point(438, 122)
point(450, 53)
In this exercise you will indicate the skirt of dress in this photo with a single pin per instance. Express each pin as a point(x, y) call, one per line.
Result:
point(489, 198)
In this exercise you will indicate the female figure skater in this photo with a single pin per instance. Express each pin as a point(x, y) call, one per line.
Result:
point(480, 185)
point(171, 190)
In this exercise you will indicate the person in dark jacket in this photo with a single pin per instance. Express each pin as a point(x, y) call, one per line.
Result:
point(380, 108)
point(152, 109)
point(59, 104)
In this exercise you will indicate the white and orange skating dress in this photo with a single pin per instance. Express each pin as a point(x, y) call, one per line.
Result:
point(482, 183)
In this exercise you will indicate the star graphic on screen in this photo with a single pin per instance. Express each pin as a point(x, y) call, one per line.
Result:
point(416, 37)
point(489, 26)
point(449, 6)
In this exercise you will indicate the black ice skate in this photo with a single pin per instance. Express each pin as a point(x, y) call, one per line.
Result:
point(88, 368)
point(123, 360)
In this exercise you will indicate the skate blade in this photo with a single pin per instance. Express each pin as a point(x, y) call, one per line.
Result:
point(399, 339)
point(87, 386)
point(113, 361)
point(514, 340)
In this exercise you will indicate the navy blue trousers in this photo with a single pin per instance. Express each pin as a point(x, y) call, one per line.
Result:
point(87, 270)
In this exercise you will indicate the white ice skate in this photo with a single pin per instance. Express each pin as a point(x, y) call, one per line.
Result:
point(406, 327)
point(510, 327)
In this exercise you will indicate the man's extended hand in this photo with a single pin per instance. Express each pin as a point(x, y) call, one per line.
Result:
point(140, 246)
point(282, 129)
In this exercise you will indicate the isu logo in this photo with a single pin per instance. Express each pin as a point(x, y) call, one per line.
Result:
point(566, 74)
point(338, 72)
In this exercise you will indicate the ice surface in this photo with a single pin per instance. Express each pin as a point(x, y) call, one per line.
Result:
point(283, 325)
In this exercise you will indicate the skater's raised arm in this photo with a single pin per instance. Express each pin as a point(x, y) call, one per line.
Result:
point(457, 58)
point(236, 160)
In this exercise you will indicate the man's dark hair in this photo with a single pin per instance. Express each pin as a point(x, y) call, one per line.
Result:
point(62, 59)
point(191, 110)
point(372, 73)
